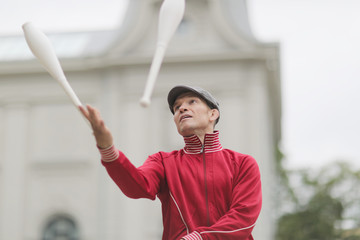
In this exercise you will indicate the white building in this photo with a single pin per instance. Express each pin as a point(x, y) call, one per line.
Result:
point(51, 180)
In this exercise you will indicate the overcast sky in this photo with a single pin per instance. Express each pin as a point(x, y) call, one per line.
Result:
point(61, 15)
point(320, 54)
point(320, 58)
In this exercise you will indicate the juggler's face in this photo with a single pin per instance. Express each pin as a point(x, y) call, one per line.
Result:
point(193, 116)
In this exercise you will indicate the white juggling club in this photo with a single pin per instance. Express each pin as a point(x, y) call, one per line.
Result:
point(43, 50)
point(170, 16)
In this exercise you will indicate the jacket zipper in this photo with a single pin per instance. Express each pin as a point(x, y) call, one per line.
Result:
point(206, 189)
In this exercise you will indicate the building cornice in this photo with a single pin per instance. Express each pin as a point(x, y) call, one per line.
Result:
point(268, 55)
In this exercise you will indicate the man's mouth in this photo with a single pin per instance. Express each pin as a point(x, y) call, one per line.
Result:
point(184, 117)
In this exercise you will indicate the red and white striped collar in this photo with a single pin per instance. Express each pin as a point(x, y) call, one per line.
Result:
point(211, 144)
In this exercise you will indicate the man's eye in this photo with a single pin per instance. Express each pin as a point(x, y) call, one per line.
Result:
point(192, 101)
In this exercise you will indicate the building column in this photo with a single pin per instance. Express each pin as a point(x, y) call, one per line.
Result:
point(13, 169)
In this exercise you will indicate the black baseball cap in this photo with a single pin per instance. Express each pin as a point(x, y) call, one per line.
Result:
point(176, 91)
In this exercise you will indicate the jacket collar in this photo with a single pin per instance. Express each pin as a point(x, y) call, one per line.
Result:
point(211, 144)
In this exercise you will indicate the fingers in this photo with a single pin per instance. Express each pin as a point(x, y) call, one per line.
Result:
point(102, 134)
point(93, 115)
point(84, 112)
point(95, 118)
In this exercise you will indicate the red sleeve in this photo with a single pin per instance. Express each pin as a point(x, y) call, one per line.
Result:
point(239, 221)
point(142, 182)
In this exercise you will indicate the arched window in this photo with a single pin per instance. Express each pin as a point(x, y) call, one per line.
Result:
point(61, 228)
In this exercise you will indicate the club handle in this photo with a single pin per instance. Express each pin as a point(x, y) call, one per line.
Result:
point(69, 91)
point(73, 97)
point(154, 71)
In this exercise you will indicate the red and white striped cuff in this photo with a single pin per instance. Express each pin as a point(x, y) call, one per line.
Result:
point(193, 236)
point(109, 154)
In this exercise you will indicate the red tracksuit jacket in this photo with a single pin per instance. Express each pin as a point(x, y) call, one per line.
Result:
point(206, 192)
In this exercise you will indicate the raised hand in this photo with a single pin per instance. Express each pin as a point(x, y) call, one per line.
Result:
point(103, 136)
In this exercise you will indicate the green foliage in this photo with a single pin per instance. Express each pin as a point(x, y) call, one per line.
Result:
point(316, 221)
point(320, 208)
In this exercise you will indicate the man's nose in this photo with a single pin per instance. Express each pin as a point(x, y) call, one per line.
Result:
point(183, 108)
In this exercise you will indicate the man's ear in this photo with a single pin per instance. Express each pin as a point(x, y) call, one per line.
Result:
point(214, 114)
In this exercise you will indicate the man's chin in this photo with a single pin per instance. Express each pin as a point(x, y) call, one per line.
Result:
point(186, 132)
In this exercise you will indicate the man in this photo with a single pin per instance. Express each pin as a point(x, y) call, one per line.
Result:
point(206, 192)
